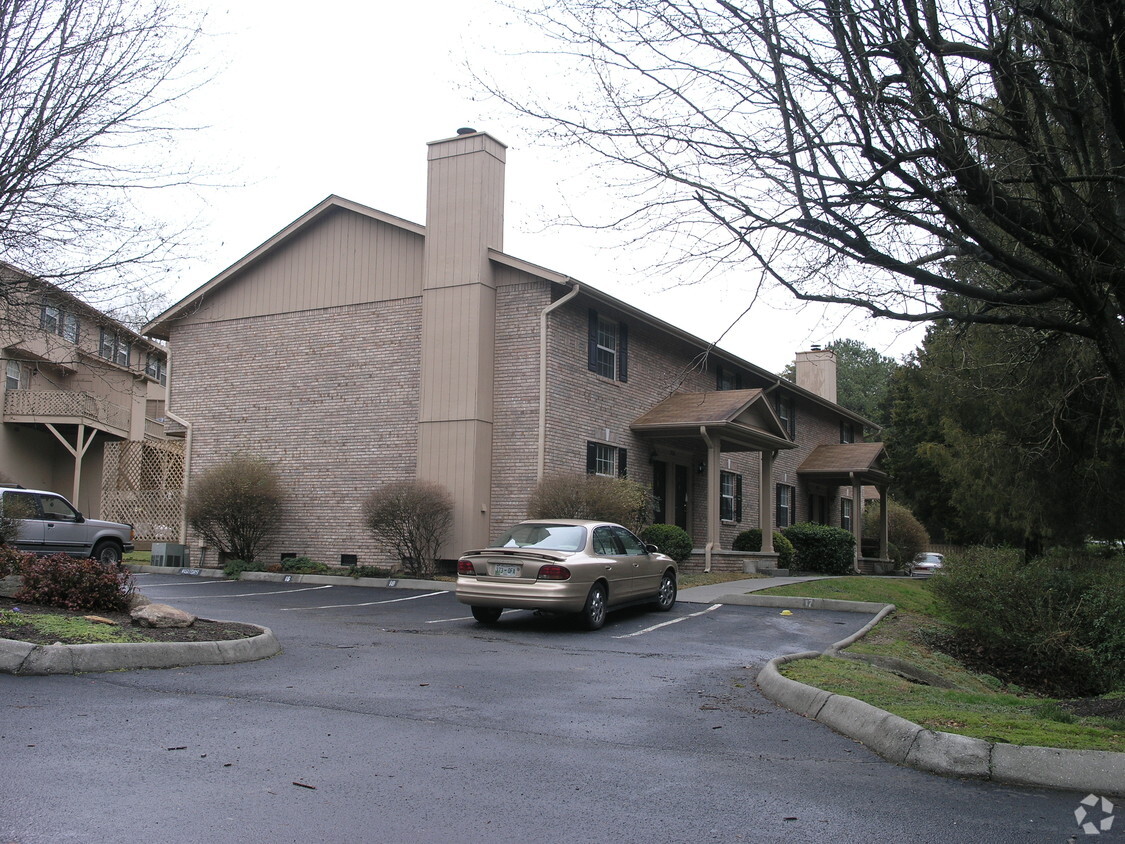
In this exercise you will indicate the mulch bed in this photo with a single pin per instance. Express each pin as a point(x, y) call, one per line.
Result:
point(201, 631)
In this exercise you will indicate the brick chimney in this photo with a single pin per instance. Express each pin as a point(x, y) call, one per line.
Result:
point(816, 372)
point(464, 219)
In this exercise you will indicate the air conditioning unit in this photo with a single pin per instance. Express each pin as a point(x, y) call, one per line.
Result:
point(170, 554)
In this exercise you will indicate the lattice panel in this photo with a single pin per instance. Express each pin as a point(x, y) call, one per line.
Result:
point(142, 484)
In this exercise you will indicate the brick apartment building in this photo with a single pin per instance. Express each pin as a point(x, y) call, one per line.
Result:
point(355, 348)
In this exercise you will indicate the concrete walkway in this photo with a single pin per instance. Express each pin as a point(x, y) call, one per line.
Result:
point(715, 592)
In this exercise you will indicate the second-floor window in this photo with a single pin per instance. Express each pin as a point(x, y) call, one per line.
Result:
point(114, 347)
point(13, 375)
point(787, 414)
point(58, 321)
point(156, 367)
point(730, 497)
point(608, 345)
point(847, 432)
point(727, 378)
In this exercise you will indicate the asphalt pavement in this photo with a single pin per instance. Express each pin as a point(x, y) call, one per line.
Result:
point(390, 715)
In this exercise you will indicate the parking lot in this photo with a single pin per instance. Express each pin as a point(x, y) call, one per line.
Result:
point(392, 716)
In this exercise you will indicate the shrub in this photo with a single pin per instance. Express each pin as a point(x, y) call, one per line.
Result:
point(72, 583)
point(235, 505)
point(751, 540)
point(581, 496)
point(906, 536)
point(13, 561)
point(672, 540)
point(234, 567)
point(370, 571)
point(1054, 624)
point(414, 517)
point(822, 548)
point(303, 565)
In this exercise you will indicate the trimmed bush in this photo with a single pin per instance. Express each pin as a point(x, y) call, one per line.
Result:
point(72, 583)
point(580, 496)
point(234, 506)
point(303, 565)
point(233, 568)
point(906, 536)
point(822, 548)
point(1055, 624)
point(751, 540)
point(413, 517)
point(672, 540)
point(370, 571)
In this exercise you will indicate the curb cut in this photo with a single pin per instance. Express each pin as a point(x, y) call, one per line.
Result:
point(903, 742)
point(24, 658)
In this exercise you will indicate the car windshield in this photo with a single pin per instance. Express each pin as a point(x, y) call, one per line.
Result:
point(551, 537)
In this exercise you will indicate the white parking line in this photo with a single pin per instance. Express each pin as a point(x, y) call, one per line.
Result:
point(444, 620)
point(366, 603)
point(252, 594)
point(666, 623)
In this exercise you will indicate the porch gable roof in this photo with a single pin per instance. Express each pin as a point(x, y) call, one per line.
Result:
point(846, 463)
point(742, 419)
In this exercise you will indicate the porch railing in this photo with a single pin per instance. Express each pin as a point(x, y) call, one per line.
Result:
point(64, 406)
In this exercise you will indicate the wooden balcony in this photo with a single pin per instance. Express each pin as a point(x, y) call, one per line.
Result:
point(61, 407)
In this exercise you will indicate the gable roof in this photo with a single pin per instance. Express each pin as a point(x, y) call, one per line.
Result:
point(159, 327)
point(742, 419)
point(846, 463)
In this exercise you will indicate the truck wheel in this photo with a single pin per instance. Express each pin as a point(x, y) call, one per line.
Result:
point(107, 553)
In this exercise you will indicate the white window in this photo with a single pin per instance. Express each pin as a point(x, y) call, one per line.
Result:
point(786, 498)
point(608, 460)
point(49, 319)
point(156, 367)
point(70, 327)
point(113, 347)
point(608, 348)
point(846, 513)
point(13, 375)
point(730, 497)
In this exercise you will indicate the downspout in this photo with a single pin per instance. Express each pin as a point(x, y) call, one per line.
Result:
point(710, 546)
point(543, 374)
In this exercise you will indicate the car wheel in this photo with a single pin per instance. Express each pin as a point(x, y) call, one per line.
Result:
point(666, 597)
point(487, 615)
point(593, 613)
point(107, 553)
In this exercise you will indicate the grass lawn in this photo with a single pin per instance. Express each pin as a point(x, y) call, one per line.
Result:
point(974, 704)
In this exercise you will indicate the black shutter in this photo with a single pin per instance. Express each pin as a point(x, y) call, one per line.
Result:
point(622, 462)
point(738, 498)
point(592, 342)
point(622, 352)
point(591, 458)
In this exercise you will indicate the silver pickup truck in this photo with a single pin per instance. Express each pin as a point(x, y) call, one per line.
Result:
point(48, 524)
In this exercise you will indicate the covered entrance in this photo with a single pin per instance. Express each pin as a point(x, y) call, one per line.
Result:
point(710, 424)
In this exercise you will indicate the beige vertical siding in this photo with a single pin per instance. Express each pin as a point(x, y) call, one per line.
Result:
point(343, 258)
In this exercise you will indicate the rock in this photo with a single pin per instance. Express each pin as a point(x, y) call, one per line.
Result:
point(97, 619)
point(136, 600)
point(161, 615)
point(9, 585)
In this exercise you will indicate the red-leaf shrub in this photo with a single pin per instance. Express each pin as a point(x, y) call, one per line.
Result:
point(13, 561)
point(75, 584)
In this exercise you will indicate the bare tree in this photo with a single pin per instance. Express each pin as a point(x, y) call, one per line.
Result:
point(917, 159)
point(413, 517)
point(84, 86)
point(235, 506)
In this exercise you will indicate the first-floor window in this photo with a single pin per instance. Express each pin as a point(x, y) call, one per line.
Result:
point(846, 513)
point(730, 497)
point(786, 509)
point(608, 460)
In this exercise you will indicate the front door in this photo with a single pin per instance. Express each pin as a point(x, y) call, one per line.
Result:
point(671, 493)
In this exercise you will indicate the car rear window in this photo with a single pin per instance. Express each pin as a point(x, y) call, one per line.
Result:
point(549, 537)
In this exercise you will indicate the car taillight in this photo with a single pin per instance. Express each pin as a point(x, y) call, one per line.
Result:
point(554, 573)
point(465, 567)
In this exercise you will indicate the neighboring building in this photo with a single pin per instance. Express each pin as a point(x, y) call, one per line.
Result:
point(355, 348)
point(83, 408)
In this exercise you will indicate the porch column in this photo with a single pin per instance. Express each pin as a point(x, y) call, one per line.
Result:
point(884, 524)
point(857, 518)
point(714, 511)
point(765, 501)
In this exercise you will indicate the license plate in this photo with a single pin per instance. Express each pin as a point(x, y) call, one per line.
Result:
point(503, 570)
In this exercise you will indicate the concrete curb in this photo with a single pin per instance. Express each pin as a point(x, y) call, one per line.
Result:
point(319, 579)
point(903, 742)
point(24, 658)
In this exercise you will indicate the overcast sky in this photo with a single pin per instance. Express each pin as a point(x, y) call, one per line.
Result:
point(341, 97)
